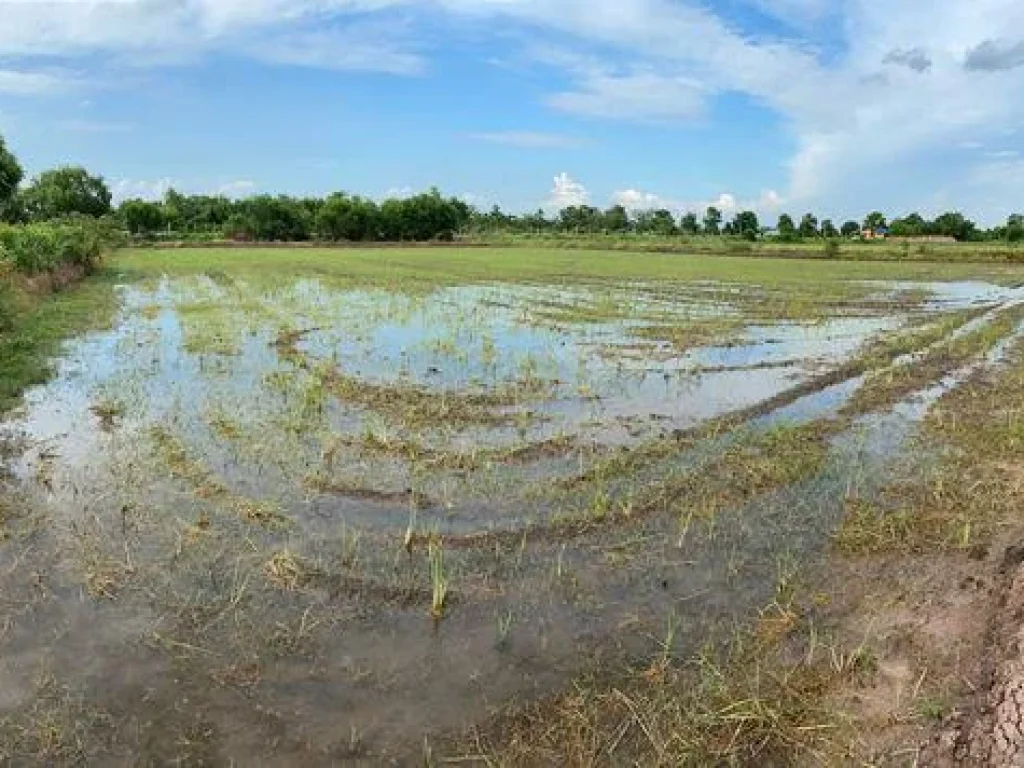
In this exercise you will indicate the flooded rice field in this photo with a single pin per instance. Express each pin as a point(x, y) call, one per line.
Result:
point(258, 523)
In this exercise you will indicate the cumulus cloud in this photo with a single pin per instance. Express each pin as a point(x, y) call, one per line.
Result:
point(659, 61)
point(140, 189)
point(769, 202)
point(155, 189)
point(638, 200)
point(567, 192)
point(995, 56)
point(911, 58)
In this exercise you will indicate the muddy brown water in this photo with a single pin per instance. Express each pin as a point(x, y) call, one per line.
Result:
point(174, 587)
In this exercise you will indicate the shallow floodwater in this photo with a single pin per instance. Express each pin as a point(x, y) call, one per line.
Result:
point(193, 354)
point(228, 475)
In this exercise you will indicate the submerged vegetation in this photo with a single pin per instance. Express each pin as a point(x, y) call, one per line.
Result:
point(547, 507)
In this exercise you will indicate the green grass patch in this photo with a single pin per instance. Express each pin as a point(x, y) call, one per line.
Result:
point(35, 331)
point(426, 267)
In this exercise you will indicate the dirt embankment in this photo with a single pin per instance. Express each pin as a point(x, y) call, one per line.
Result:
point(988, 730)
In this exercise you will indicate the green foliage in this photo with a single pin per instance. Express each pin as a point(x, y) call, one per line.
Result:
point(47, 246)
point(808, 225)
point(787, 229)
point(659, 222)
point(427, 216)
point(270, 218)
point(616, 219)
point(874, 220)
point(956, 225)
point(11, 175)
point(580, 219)
point(849, 229)
point(8, 306)
point(65, 191)
point(431, 217)
point(348, 218)
point(142, 217)
point(31, 330)
point(688, 224)
point(746, 225)
point(713, 221)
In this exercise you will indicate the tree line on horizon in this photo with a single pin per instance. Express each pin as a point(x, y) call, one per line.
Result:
point(73, 191)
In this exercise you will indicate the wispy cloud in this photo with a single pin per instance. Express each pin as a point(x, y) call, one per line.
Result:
point(78, 125)
point(18, 82)
point(529, 139)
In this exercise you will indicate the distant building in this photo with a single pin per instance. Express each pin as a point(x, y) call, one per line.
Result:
point(878, 233)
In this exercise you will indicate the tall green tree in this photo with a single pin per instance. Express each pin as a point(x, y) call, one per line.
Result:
point(688, 224)
point(746, 225)
point(11, 175)
point(342, 217)
point(828, 229)
point(809, 225)
point(1015, 227)
point(912, 225)
point(141, 217)
point(874, 220)
point(713, 221)
point(616, 219)
point(657, 222)
point(849, 228)
point(955, 224)
point(65, 191)
point(786, 227)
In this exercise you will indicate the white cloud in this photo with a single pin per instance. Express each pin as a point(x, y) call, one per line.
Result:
point(859, 124)
point(638, 200)
point(567, 192)
point(333, 34)
point(32, 83)
point(131, 189)
point(397, 193)
point(529, 139)
point(155, 189)
point(236, 189)
point(768, 203)
point(638, 96)
point(360, 48)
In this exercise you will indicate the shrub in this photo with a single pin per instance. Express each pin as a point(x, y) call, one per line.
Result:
point(45, 247)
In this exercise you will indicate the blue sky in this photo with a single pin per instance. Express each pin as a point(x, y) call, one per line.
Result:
point(835, 106)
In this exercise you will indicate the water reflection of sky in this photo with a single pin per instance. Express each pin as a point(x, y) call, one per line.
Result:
point(454, 338)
